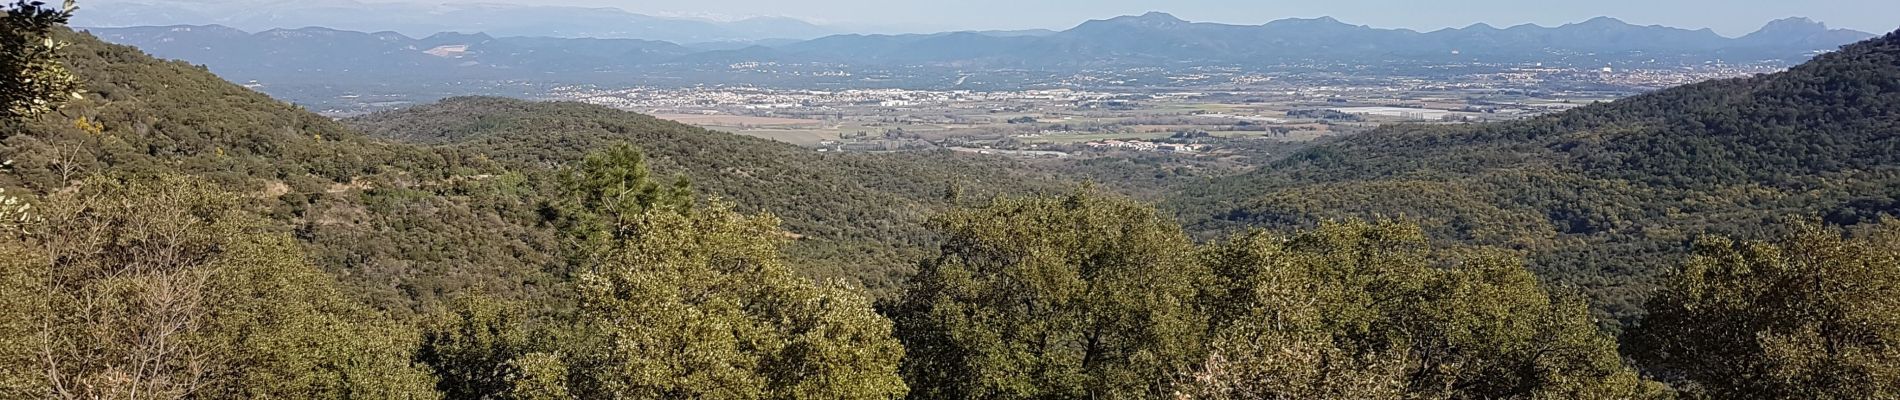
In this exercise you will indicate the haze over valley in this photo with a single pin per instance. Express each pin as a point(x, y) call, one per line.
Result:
point(707, 199)
point(1141, 77)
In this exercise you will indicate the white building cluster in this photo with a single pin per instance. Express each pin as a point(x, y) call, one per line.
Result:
point(1138, 145)
point(702, 98)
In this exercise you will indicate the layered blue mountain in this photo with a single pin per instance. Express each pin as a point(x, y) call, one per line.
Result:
point(1153, 39)
point(1162, 38)
point(419, 19)
point(317, 53)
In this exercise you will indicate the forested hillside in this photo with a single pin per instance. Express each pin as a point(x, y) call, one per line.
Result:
point(857, 215)
point(449, 197)
point(164, 234)
point(1606, 197)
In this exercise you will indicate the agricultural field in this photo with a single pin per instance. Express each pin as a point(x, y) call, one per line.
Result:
point(1033, 122)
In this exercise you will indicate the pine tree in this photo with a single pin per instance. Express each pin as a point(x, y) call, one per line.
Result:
point(675, 300)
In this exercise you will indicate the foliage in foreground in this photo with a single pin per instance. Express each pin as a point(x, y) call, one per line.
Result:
point(34, 81)
point(161, 286)
point(1812, 315)
point(1364, 310)
point(167, 288)
point(674, 301)
point(1092, 296)
point(1053, 297)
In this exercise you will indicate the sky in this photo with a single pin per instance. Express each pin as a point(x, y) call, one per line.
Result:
point(1729, 17)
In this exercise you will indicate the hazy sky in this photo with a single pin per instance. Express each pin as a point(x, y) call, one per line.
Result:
point(1731, 17)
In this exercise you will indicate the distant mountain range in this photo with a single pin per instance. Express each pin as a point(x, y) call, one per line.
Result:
point(1159, 38)
point(416, 19)
point(1154, 39)
point(321, 52)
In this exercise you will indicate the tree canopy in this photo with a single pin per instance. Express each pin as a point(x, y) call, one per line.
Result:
point(32, 78)
point(674, 300)
point(168, 288)
point(1814, 314)
point(1075, 296)
point(169, 234)
point(1367, 310)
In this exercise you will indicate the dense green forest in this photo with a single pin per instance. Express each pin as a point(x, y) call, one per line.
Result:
point(166, 234)
point(858, 216)
point(1608, 197)
point(451, 196)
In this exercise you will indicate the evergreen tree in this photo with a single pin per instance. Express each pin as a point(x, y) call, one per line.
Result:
point(675, 300)
point(687, 301)
point(168, 288)
point(1358, 310)
point(698, 305)
point(606, 191)
point(1813, 315)
point(1079, 296)
point(477, 348)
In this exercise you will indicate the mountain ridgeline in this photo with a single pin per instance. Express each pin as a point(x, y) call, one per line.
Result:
point(542, 20)
point(1159, 38)
point(1154, 39)
point(316, 54)
point(166, 233)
